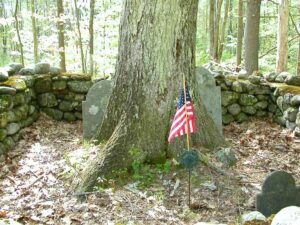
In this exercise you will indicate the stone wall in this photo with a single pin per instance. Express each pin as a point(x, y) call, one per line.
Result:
point(42, 88)
point(256, 96)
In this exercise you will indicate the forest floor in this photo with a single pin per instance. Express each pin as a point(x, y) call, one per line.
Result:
point(36, 179)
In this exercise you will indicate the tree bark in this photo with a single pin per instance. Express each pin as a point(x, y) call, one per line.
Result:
point(79, 37)
point(240, 35)
point(224, 25)
point(91, 33)
point(18, 32)
point(148, 79)
point(61, 35)
point(252, 35)
point(298, 64)
point(211, 28)
point(34, 32)
point(282, 36)
point(217, 30)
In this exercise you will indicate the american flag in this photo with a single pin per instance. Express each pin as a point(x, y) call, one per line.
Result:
point(184, 119)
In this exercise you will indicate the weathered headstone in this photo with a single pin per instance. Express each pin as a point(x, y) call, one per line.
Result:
point(94, 108)
point(210, 95)
point(278, 191)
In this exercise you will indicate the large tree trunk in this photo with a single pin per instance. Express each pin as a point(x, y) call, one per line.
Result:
point(240, 34)
point(61, 35)
point(34, 32)
point(282, 36)
point(252, 35)
point(156, 48)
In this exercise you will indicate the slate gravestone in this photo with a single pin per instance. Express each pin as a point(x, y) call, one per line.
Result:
point(94, 108)
point(210, 95)
point(278, 191)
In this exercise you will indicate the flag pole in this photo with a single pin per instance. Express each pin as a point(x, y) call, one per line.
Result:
point(187, 134)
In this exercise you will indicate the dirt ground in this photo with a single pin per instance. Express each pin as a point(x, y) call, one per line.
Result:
point(36, 179)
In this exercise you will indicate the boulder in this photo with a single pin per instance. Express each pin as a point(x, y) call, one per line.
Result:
point(227, 119)
point(18, 99)
point(287, 216)
point(241, 117)
point(13, 128)
point(293, 80)
point(234, 109)
point(16, 82)
point(9, 143)
point(47, 100)
point(42, 68)
point(6, 102)
point(261, 113)
point(7, 90)
point(43, 84)
point(78, 115)
point(80, 86)
point(54, 70)
point(253, 216)
point(3, 134)
point(282, 77)
point(261, 105)
point(247, 100)
point(226, 156)
point(238, 86)
point(3, 74)
point(69, 116)
point(295, 100)
point(65, 106)
point(59, 85)
point(229, 98)
point(280, 120)
point(271, 76)
point(53, 113)
point(29, 80)
point(254, 79)
point(291, 114)
point(250, 110)
point(16, 67)
point(26, 71)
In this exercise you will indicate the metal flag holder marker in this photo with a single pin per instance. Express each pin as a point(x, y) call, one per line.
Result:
point(189, 158)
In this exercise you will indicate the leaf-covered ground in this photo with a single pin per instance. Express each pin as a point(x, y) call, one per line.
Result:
point(36, 180)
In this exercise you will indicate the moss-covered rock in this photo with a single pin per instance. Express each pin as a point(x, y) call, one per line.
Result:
point(224, 110)
point(7, 90)
point(261, 113)
point(262, 97)
point(54, 71)
point(13, 128)
point(79, 97)
point(59, 85)
point(12, 117)
point(15, 82)
point(3, 134)
point(280, 120)
point(9, 143)
point(3, 119)
point(2, 149)
point(29, 80)
point(295, 100)
point(26, 71)
point(18, 99)
point(16, 67)
point(250, 110)
point(32, 109)
point(238, 86)
point(42, 68)
point(227, 119)
point(6, 102)
point(69, 116)
point(241, 117)
point(79, 86)
point(21, 111)
point(78, 115)
point(229, 97)
point(66, 106)
point(47, 100)
point(247, 100)
point(261, 105)
point(234, 109)
point(27, 122)
point(53, 113)
point(272, 107)
point(43, 84)
point(290, 114)
point(70, 96)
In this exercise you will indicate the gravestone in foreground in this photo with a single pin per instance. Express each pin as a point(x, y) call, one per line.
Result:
point(278, 191)
point(94, 108)
point(210, 95)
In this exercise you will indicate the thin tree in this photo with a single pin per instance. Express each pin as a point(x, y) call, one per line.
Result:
point(217, 29)
point(148, 78)
point(252, 35)
point(34, 32)
point(18, 32)
point(224, 26)
point(282, 36)
point(79, 36)
point(240, 34)
point(91, 36)
point(61, 35)
point(211, 27)
point(298, 58)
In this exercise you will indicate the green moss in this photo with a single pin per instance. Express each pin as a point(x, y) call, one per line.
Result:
point(284, 88)
point(15, 82)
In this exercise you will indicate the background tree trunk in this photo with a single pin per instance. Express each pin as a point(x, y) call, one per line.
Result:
point(224, 26)
point(217, 30)
point(18, 32)
point(34, 33)
point(61, 35)
point(211, 27)
point(79, 37)
point(91, 36)
point(282, 36)
point(240, 35)
point(252, 35)
point(298, 64)
point(148, 79)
